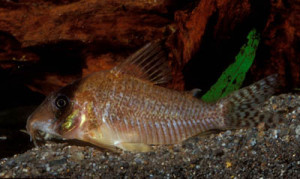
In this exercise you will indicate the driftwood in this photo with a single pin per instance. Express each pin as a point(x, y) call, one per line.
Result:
point(47, 44)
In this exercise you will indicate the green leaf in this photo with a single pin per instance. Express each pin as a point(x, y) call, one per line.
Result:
point(233, 77)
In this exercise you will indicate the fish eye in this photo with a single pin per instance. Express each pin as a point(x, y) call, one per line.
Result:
point(61, 101)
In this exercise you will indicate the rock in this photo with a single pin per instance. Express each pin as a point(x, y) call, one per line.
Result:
point(77, 156)
point(253, 141)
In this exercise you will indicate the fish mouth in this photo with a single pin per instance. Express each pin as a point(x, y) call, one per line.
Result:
point(41, 130)
point(39, 136)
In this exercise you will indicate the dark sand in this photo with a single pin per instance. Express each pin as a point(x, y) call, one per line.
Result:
point(244, 153)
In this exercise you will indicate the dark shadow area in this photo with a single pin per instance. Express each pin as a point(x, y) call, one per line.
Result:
point(13, 93)
point(62, 57)
point(218, 50)
point(200, 70)
point(12, 140)
point(62, 2)
point(18, 102)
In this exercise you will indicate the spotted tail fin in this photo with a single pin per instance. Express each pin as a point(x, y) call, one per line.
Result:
point(241, 108)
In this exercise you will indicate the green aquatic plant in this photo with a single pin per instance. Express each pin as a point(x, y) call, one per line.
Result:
point(233, 77)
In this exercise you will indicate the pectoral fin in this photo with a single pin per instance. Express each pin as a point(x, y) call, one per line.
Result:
point(134, 147)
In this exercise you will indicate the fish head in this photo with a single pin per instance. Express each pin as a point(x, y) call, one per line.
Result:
point(57, 117)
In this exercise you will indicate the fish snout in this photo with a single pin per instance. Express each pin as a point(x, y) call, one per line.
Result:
point(41, 125)
point(29, 127)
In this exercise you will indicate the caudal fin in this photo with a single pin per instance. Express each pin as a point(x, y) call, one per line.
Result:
point(241, 107)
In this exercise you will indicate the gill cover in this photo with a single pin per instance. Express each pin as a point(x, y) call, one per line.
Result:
point(54, 116)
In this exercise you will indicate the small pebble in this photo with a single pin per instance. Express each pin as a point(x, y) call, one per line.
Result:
point(275, 134)
point(274, 106)
point(77, 156)
point(297, 130)
point(2, 174)
point(253, 141)
point(3, 137)
point(286, 138)
point(48, 168)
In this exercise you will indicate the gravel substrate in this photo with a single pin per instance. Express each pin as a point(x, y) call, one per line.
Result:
point(245, 153)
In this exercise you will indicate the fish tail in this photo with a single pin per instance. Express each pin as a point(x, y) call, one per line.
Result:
point(241, 108)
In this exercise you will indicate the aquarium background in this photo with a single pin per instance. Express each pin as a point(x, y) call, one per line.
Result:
point(47, 44)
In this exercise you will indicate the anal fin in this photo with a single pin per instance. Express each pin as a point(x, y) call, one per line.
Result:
point(134, 147)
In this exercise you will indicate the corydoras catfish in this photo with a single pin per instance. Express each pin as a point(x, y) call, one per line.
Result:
point(126, 108)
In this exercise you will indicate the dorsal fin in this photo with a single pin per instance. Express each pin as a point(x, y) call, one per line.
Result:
point(148, 63)
point(196, 93)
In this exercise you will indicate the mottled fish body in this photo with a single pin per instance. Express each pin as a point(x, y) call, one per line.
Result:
point(125, 108)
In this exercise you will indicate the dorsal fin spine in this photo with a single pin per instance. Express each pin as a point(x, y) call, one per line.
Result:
point(158, 62)
point(148, 63)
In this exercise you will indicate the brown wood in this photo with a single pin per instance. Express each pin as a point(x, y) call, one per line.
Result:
point(50, 43)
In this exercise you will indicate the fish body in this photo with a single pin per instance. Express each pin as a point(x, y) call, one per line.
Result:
point(125, 108)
